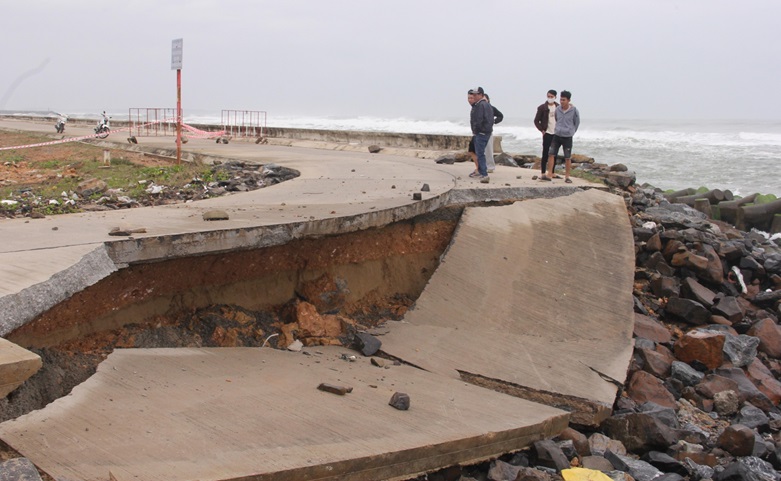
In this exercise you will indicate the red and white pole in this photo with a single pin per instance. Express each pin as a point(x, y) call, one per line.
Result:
point(178, 116)
point(177, 48)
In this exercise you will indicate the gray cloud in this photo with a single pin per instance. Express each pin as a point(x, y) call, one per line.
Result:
point(639, 59)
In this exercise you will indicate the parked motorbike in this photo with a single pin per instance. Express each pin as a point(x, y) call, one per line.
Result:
point(103, 129)
point(60, 125)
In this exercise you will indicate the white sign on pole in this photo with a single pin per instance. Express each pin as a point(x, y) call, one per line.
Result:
point(176, 54)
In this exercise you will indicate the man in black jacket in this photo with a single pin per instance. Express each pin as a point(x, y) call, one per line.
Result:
point(489, 149)
point(545, 121)
point(481, 119)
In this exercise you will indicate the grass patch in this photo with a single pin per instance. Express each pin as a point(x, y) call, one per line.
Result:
point(48, 171)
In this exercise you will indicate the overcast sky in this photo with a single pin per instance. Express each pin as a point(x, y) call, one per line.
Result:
point(658, 59)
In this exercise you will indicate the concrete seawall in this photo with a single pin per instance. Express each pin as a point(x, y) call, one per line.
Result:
point(383, 139)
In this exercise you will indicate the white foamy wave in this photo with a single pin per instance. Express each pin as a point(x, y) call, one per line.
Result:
point(373, 124)
point(761, 138)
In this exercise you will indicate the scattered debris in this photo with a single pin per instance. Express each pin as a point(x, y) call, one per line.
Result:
point(400, 401)
point(332, 388)
point(124, 231)
point(216, 214)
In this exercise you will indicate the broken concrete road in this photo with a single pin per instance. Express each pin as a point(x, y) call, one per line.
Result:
point(248, 413)
point(534, 299)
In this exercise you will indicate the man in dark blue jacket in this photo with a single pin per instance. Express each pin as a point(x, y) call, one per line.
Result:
point(481, 119)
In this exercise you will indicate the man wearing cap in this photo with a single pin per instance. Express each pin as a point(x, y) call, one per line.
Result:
point(481, 119)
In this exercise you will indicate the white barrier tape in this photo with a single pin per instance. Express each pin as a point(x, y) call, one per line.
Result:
point(193, 132)
point(75, 139)
point(62, 141)
point(202, 133)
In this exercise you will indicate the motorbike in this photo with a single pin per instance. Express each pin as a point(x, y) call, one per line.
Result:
point(103, 129)
point(60, 125)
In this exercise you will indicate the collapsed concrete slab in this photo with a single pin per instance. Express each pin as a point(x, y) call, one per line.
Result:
point(16, 366)
point(533, 299)
point(36, 280)
point(249, 413)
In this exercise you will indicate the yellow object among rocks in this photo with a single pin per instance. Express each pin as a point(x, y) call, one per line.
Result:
point(583, 474)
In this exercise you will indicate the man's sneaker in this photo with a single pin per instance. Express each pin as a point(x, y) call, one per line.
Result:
point(490, 171)
point(474, 174)
point(485, 179)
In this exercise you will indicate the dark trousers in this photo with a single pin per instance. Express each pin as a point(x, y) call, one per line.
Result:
point(546, 141)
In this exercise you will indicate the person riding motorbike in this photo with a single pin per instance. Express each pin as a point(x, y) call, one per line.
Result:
point(60, 125)
point(103, 128)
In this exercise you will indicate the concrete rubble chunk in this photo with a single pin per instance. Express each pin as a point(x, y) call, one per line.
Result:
point(688, 311)
point(726, 403)
point(729, 308)
point(714, 383)
point(691, 289)
point(649, 328)
point(599, 444)
point(643, 387)
point(640, 432)
point(579, 440)
point(692, 455)
point(550, 455)
point(19, 469)
point(670, 477)
point(753, 417)
point(215, 214)
point(704, 346)
point(686, 374)
point(126, 231)
point(769, 334)
point(599, 463)
point(367, 344)
point(664, 463)
point(748, 468)
point(501, 470)
point(655, 362)
point(741, 350)
point(765, 381)
point(737, 439)
point(639, 470)
point(664, 286)
point(400, 401)
point(91, 186)
point(746, 389)
point(698, 471)
point(334, 389)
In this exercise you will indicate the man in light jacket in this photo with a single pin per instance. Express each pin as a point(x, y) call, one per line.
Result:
point(567, 123)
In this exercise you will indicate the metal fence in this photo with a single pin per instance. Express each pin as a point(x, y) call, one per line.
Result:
point(152, 122)
point(244, 123)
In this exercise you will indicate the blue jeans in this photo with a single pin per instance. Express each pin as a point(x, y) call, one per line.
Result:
point(481, 140)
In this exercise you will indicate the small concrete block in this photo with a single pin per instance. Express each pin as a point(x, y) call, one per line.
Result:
point(417, 196)
point(425, 188)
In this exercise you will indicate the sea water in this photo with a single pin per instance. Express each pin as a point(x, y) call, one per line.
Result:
point(737, 155)
point(743, 156)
